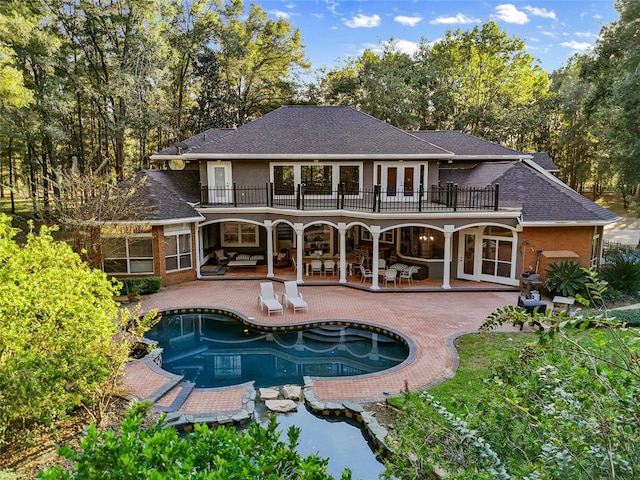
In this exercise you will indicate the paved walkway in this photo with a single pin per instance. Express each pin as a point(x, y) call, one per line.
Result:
point(430, 319)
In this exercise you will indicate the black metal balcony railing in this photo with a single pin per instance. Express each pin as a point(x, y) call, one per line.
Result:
point(449, 197)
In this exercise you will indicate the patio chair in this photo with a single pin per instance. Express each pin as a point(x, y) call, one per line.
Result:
point(269, 299)
point(330, 266)
point(390, 275)
point(282, 259)
point(364, 273)
point(316, 267)
point(221, 257)
point(408, 274)
point(293, 297)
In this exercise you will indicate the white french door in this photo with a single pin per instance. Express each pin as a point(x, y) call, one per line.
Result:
point(219, 182)
point(399, 182)
point(468, 254)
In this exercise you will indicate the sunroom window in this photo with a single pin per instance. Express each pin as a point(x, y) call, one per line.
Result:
point(127, 255)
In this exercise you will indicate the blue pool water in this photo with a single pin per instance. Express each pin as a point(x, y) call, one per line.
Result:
point(216, 350)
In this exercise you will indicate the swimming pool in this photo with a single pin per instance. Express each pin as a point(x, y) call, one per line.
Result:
point(219, 348)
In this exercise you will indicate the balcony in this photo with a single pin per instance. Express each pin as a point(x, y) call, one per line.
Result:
point(437, 198)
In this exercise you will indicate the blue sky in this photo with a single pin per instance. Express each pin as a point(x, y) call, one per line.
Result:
point(334, 30)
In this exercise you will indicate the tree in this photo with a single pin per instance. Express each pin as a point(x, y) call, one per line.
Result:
point(218, 105)
point(481, 82)
point(157, 452)
point(57, 325)
point(257, 56)
point(612, 70)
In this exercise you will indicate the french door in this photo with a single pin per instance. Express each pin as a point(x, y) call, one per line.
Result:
point(399, 182)
point(219, 181)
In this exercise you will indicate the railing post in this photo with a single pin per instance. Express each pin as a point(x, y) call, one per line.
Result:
point(235, 199)
point(496, 197)
point(376, 198)
point(269, 194)
point(420, 197)
point(302, 196)
point(338, 196)
point(298, 197)
point(455, 197)
point(204, 197)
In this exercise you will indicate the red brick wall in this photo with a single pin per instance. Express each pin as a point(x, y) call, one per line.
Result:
point(575, 239)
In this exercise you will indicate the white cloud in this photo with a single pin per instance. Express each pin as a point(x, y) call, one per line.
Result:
point(577, 46)
point(408, 21)
point(510, 14)
point(460, 18)
point(363, 21)
point(585, 35)
point(281, 14)
point(404, 46)
point(540, 12)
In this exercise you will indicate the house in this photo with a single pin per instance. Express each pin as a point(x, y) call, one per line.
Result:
point(330, 180)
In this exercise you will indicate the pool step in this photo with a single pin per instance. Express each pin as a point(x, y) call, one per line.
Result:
point(175, 398)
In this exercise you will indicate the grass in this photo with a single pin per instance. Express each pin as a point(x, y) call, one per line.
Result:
point(23, 206)
point(477, 354)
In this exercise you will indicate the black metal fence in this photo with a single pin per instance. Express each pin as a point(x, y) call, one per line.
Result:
point(448, 197)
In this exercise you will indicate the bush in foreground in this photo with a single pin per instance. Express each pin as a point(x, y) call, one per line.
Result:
point(155, 452)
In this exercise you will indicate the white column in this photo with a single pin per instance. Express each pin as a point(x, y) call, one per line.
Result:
point(375, 234)
point(446, 271)
point(269, 226)
point(197, 255)
point(299, 228)
point(342, 232)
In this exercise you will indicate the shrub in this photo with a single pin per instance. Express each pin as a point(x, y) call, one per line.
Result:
point(57, 326)
point(140, 285)
point(623, 273)
point(566, 278)
point(156, 452)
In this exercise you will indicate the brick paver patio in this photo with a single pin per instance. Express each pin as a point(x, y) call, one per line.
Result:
point(430, 319)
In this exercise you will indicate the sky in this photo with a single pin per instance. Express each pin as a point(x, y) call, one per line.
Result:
point(335, 30)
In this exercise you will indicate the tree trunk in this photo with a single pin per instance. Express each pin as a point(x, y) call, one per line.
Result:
point(10, 156)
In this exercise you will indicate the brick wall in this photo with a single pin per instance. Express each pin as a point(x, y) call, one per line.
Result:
point(575, 239)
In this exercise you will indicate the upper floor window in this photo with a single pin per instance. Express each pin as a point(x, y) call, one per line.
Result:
point(318, 178)
point(127, 255)
point(177, 250)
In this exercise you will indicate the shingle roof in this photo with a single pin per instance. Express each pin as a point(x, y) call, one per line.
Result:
point(465, 145)
point(545, 161)
point(195, 141)
point(314, 130)
point(543, 199)
point(166, 194)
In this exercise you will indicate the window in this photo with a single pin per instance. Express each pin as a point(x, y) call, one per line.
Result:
point(385, 237)
point(177, 251)
point(317, 179)
point(238, 234)
point(127, 255)
point(350, 178)
point(497, 249)
point(283, 179)
point(422, 242)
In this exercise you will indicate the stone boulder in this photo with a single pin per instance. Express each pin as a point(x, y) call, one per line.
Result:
point(292, 392)
point(269, 394)
point(281, 406)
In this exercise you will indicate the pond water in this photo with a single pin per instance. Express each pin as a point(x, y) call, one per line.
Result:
point(215, 350)
point(343, 443)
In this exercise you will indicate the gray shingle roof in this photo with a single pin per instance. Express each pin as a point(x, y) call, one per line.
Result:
point(545, 161)
point(314, 130)
point(165, 194)
point(464, 144)
point(196, 141)
point(542, 199)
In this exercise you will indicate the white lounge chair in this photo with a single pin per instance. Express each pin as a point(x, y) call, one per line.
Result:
point(293, 297)
point(269, 299)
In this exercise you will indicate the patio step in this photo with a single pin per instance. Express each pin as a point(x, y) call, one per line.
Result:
point(173, 399)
